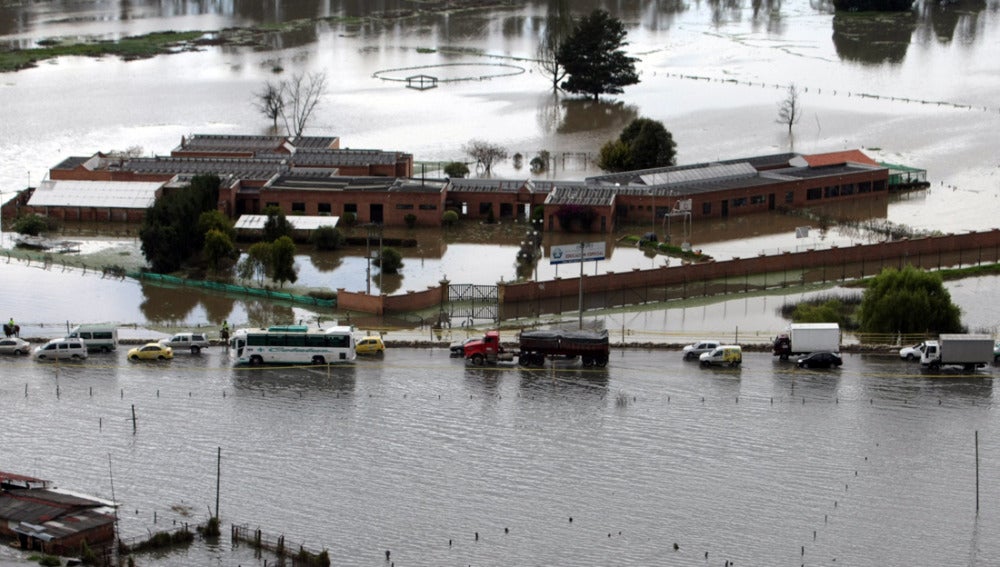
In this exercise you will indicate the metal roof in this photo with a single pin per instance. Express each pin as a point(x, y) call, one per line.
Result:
point(484, 185)
point(243, 168)
point(581, 195)
point(107, 194)
point(256, 222)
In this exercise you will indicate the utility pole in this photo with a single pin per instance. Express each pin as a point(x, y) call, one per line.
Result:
point(580, 304)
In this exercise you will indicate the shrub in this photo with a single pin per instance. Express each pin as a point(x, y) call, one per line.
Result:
point(456, 169)
point(31, 224)
point(326, 238)
point(449, 218)
point(389, 260)
point(349, 219)
point(410, 219)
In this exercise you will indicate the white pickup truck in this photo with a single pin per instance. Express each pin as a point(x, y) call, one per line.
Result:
point(190, 341)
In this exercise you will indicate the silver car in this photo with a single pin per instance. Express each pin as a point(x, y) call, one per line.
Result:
point(693, 352)
point(62, 349)
point(14, 345)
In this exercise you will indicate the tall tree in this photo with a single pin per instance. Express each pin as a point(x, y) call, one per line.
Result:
point(790, 110)
point(218, 248)
point(910, 300)
point(283, 261)
point(558, 25)
point(593, 57)
point(300, 95)
point(643, 144)
point(270, 102)
point(257, 263)
point(169, 233)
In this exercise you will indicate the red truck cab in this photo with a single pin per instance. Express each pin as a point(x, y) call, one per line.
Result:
point(484, 350)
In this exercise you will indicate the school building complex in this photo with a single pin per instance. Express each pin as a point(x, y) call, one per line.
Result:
point(314, 176)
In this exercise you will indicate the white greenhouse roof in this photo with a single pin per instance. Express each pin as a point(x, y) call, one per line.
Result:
point(695, 174)
point(256, 222)
point(104, 194)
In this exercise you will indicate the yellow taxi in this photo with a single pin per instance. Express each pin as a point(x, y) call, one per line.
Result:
point(370, 345)
point(151, 351)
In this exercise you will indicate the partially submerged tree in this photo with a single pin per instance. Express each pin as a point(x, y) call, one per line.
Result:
point(169, 233)
point(270, 102)
point(485, 153)
point(256, 265)
point(910, 300)
point(790, 110)
point(300, 96)
point(276, 225)
point(456, 169)
point(218, 250)
point(327, 237)
point(593, 57)
point(643, 144)
point(558, 25)
point(293, 100)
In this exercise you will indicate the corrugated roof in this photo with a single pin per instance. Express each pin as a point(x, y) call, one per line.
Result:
point(256, 222)
point(106, 194)
point(484, 185)
point(581, 195)
point(242, 168)
point(713, 172)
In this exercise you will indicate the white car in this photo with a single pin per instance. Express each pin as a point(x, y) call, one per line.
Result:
point(62, 349)
point(912, 353)
point(14, 345)
point(193, 342)
point(692, 352)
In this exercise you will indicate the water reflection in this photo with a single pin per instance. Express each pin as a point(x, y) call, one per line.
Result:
point(585, 115)
point(873, 38)
point(564, 377)
point(295, 381)
point(167, 304)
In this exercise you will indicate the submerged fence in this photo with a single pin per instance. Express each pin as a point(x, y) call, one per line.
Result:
point(237, 289)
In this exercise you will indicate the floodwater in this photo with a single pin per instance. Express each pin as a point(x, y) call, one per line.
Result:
point(872, 464)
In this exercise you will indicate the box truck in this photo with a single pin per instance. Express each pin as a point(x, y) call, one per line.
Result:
point(965, 350)
point(804, 338)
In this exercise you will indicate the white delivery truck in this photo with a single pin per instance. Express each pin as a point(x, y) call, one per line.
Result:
point(965, 350)
point(804, 338)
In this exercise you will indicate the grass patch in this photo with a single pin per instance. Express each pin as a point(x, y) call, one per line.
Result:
point(129, 48)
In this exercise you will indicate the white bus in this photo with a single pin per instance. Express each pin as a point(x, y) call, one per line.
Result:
point(293, 344)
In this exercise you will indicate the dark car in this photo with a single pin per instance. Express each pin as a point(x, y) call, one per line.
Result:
point(458, 349)
point(820, 360)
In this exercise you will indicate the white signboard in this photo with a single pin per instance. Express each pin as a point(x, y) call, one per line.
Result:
point(583, 252)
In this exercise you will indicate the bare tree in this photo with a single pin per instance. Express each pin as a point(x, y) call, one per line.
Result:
point(301, 95)
point(130, 152)
point(558, 25)
point(790, 110)
point(485, 153)
point(270, 102)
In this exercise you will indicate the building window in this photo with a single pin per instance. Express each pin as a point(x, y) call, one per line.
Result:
point(351, 208)
point(324, 208)
point(847, 189)
point(404, 206)
point(790, 197)
point(832, 191)
point(757, 199)
point(298, 207)
point(814, 194)
point(865, 187)
point(428, 207)
point(739, 202)
point(706, 208)
point(879, 185)
point(484, 208)
point(272, 204)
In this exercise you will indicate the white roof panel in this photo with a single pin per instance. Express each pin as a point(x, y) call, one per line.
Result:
point(696, 174)
point(106, 194)
point(256, 222)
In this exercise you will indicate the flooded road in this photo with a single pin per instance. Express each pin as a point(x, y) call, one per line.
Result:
point(410, 451)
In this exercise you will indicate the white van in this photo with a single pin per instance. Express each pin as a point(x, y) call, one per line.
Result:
point(60, 349)
point(723, 355)
point(103, 338)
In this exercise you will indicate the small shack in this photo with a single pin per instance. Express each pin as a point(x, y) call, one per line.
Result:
point(40, 517)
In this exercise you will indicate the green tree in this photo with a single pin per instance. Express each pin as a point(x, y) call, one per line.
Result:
point(218, 247)
point(326, 237)
point(643, 144)
point(910, 300)
point(215, 220)
point(390, 261)
point(276, 225)
point(593, 58)
point(256, 264)
point(449, 218)
point(283, 261)
point(169, 234)
point(456, 169)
